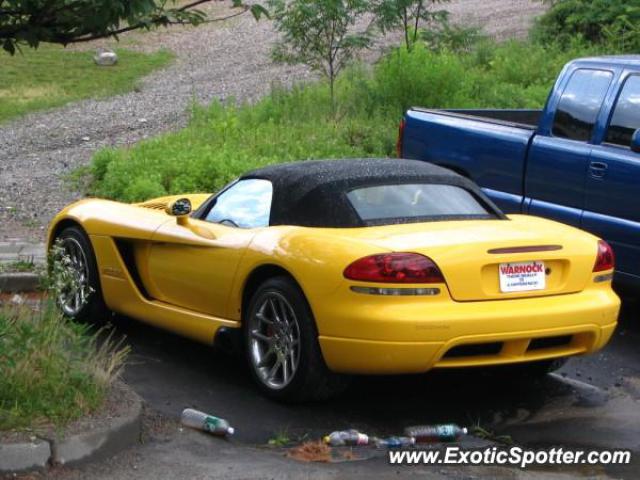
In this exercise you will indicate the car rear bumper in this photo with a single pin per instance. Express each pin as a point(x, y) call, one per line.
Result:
point(467, 334)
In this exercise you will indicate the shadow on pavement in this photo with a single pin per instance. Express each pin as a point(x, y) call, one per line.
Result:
point(172, 373)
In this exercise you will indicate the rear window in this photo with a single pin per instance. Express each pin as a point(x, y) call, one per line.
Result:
point(388, 203)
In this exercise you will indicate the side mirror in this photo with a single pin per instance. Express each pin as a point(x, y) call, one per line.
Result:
point(635, 141)
point(180, 208)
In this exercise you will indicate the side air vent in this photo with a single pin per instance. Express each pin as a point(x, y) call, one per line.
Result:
point(153, 205)
point(125, 248)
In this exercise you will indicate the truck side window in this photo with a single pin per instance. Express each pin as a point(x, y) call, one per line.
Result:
point(626, 115)
point(580, 103)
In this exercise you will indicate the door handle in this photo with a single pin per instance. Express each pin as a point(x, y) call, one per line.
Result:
point(598, 169)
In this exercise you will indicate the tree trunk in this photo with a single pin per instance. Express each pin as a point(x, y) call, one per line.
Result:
point(415, 27)
point(405, 24)
point(332, 93)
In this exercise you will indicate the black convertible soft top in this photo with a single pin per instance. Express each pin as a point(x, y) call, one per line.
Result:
point(314, 193)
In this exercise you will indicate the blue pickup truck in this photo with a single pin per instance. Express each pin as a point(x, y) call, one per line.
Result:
point(576, 161)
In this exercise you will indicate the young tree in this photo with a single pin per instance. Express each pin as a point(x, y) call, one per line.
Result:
point(408, 16)
point(321, 34)
point(69, 21)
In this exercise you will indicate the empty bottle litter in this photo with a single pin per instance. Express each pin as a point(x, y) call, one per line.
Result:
point(346, 437)
point(394, 442)
point(207, 423)
point(435, 433)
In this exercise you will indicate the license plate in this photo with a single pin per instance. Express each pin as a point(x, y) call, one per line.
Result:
point(522, 276)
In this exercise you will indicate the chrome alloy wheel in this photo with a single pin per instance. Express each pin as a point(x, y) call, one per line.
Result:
point(74, 288)
point(274, 341)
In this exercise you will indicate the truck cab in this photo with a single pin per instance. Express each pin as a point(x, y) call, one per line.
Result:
point(578, 164)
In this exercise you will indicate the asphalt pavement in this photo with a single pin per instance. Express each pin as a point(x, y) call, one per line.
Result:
point(172, 373)
point(592, 402)
point(568, 408)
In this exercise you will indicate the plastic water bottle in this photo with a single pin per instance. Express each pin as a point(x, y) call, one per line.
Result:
point(346, 437)
point(435, 433)
point(394, 442)
point(207, 423)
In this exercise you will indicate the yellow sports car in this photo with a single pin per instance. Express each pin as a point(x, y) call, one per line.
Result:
point(326, 268)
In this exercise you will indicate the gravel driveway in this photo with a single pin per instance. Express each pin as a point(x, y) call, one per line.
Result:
point(218, 60)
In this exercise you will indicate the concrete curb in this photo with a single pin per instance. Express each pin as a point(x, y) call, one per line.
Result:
point(96, 444)
point(100, 443)
point(19, 457)
point(19, 282)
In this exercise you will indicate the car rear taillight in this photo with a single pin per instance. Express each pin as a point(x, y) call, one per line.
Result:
point(395, 268)
point(399, 141)
point(605, 259)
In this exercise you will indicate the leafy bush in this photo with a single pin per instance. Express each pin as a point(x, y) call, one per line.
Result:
point(420, 77)
point(451, 37)
point(222, 141)
point(613, 22)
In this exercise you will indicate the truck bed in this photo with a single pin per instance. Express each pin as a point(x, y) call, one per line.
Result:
point(521, 118)
point(518, 118)
point(488, 146)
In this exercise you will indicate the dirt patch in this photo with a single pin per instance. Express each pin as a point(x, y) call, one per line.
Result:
point(311, 452)
point(156, 426)
point(33, 299)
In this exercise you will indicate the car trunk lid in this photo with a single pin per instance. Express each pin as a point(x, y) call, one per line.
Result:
point(498, 259)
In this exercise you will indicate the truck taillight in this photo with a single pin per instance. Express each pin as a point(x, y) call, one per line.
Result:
point(399, 141)
point(395, 268)
point(605, 259)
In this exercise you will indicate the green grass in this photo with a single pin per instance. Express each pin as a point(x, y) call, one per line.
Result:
point(52, 371)
point(280, 439)
point(52, 76)
point(222, 141)
point(18, 266)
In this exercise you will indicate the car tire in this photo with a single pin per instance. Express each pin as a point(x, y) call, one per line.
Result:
point(273, 337)
point(91, 307)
